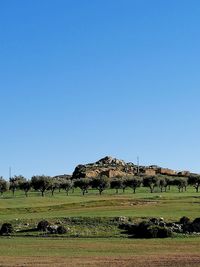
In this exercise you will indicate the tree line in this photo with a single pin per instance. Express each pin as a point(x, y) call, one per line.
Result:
point(44, 183)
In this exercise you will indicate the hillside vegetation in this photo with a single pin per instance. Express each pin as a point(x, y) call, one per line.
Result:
point(96, 216)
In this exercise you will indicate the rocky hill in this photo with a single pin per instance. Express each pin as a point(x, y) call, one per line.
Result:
point(113, 167)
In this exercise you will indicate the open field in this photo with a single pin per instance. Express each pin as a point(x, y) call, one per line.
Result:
point(99, 252)
point(112, 251)
point(170, 205)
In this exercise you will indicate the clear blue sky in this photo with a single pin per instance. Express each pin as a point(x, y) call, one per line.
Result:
point(81, 79)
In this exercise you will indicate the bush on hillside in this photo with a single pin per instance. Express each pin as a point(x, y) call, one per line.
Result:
point(147, 229)
point(43, 225)
point(61, 230)
point(6, 229)
point(184, 220)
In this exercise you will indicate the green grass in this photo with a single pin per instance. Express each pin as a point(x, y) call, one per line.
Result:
point(73, 247)
point(99, 252)
point(170, 205)
point(110, 251)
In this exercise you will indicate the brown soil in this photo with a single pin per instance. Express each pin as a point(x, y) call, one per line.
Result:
point(177, 260)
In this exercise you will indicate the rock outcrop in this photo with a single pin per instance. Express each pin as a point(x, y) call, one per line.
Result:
point(113, 167)
point(108, 166)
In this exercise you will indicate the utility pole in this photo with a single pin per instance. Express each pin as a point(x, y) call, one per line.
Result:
point(10, 172)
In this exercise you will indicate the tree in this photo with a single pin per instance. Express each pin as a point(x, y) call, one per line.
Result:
point(162, 183)
point(54, 184)
point(195, 181)
point(134, 182)
point(100, 183)
point(169, 181)
point(66, 184)
point(25, 186)
point(40, 183)
point(151, 182)
point(3, 185)
point(83, 184)
point(124, 183)
point(116, 183)
point(181, 183)
point(15, 182)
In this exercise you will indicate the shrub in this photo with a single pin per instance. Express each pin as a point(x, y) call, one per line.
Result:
point(156, 231)
point(141, 230)
point(6, 229)
point(52, 229)
point(184, 220)
point(129, 227)
point(61, 230)
point(195, 225)
point(43, 225)
point(188, 227)
point(197, 220)
point(147, 229)
point(152, 231)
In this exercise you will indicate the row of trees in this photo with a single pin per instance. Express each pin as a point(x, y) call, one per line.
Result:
point(46, 183)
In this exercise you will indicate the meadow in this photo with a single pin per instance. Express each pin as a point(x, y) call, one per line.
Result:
point(170, 204)
point(107, 246)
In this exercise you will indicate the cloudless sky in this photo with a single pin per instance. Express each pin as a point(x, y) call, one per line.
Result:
point(82, 79)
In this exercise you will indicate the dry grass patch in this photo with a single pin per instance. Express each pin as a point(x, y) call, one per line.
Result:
point(176, 260)
point(99, 252)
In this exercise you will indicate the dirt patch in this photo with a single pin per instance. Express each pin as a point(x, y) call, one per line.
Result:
point(136, 203)
point(177, 260)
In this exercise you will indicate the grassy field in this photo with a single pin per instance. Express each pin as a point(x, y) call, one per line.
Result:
point(170, 205)
point(99, 252)
point(118, 251)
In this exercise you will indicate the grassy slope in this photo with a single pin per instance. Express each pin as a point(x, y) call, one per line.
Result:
point(170, 205)
point(97, 252)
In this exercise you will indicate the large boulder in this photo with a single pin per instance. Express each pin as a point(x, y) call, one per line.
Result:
point(111, 167)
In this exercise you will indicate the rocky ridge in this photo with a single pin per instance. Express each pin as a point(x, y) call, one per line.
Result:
point(113, 167)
